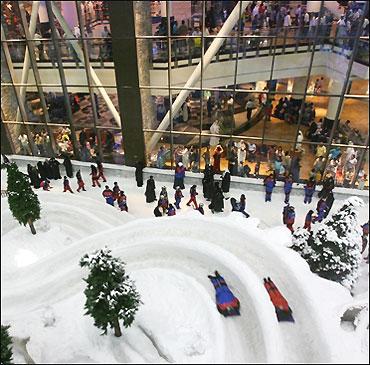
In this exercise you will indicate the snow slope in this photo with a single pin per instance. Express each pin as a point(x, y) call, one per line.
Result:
point(170, 258)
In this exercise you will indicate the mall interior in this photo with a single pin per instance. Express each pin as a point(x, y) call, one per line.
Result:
point(265, 86)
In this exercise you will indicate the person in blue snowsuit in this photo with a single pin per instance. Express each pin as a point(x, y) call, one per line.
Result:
point(269, 185)
point(227, 303)
point(288, 185)
point(178, 196)
point(309, 190)
point(321, 212)
point(179, 176)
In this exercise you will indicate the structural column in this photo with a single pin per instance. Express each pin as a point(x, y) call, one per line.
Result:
point(127, 78)
point(335, 87)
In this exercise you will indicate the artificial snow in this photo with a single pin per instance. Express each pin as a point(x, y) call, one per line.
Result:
point(169, 258)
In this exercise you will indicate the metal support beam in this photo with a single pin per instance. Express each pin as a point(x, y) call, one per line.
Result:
point(211, 52)
point(26, 63)
point(77, 48)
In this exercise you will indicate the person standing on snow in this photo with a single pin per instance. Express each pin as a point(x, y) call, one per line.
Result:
point(327, 187)
point(308, 220)
point(66, 185)
point(68, 166)
point(179, 176)
point(321, 208)
point(288, 185)
point(108, 195)
point(80, 182)
point(139, 173)
point(269, 183)
point(116, 190)
point(163, 202)
point(94, 176)
point(217, 202)
point(101, 171)
point(225, 184)
point(178, 196)
point(290, 218)
point(193, 194)
point(329, 202)
point(122, 201)
point(150, 190)
point(309, 190)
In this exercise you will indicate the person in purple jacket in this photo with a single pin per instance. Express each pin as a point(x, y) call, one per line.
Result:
point(309, 190)
point(288, 185)
point(269, 183)
point(179, 176)
point(321, 212)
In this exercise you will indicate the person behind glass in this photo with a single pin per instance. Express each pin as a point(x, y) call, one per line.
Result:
point(249, 108)
point(288, 185)
point(193, 196)
point(217, 159)
point(122, 201)
point(233, 161)
point(25, 147)
point(171, 210)
point(178, 196)
point(80, 182)
point(108, 195)
point(94, 176)
point(257, 168)
point(66, 185)
point(269, 183)
point(309, 190)
point(207, 156)
point(308, 220)
point(161, 157)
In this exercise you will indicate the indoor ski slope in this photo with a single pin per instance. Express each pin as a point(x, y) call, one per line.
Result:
point(169, 258)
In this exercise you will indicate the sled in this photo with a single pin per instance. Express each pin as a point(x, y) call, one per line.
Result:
point(282, 309)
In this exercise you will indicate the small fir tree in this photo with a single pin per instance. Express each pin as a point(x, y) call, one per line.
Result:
point(334, 252)
point(23, 202)
point(6, 346)
point(110, 294)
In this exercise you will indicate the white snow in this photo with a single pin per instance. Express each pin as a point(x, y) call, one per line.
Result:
point(169, 258)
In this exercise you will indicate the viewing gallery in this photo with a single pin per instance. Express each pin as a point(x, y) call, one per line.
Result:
point(255, 87)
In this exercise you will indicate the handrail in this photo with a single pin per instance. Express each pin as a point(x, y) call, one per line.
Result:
point(4, 193)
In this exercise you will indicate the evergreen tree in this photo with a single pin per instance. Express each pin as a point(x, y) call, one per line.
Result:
point(6, 348)
point(23, 202)
point(110, 294)
point(334, 252)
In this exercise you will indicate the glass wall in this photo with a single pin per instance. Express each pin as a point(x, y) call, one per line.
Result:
point(214, 85)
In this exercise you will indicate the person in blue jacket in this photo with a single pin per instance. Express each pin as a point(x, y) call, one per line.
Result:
point(269, 183)
point(288, 185)
point(178, 196)
point(322, 207)
point(309, 190)
point(171, 210)
point(227, 304)
point(108, 195)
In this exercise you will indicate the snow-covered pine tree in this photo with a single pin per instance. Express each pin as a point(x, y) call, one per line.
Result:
point(23, 202)
point(6, 346)
point(110, 294)
point(301, 242)
point(336, 248)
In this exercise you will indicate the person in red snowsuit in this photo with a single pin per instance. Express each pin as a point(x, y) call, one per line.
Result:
point(193, 194)
point(101, 171)
point(94, 176)
point(66, 185)
point(122, 201)
point(116, 191)
point(80, 182)
point(45, 185)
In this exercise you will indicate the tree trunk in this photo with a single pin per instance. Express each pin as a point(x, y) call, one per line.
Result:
point(117, 329)
point(33, 230)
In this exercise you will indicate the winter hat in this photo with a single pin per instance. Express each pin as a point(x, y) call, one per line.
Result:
point(180, 164)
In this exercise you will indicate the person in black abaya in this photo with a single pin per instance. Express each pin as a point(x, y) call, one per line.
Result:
point(329, 202)
point(217, 203)
point(68, 166)
point(139, 173)
point(48, 169)
point(41, 169)
point(150, 190)
point(55, 168)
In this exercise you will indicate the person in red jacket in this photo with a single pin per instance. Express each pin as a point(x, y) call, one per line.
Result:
point(122, 201)
point(116, 191)
point(66, 185)
point(108, 195)
point(101, 171)
point(193, 194)
point(308, 221)
point(94, 176)
point(80, 182)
